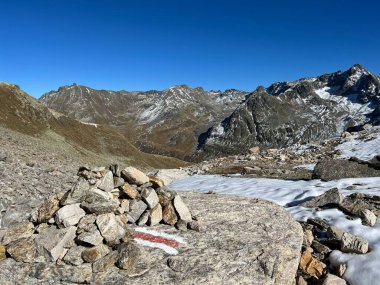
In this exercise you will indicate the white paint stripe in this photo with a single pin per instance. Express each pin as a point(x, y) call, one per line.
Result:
point(160, 234)
point(164, 247)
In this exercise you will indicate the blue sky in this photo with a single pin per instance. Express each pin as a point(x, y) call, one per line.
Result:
point(217, 44)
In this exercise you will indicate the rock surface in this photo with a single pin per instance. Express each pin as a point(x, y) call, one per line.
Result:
point(353, 244)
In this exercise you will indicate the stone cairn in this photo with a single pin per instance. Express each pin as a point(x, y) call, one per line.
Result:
point(87, 226)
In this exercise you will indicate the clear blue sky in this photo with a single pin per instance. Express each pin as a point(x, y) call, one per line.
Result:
point(217, 44)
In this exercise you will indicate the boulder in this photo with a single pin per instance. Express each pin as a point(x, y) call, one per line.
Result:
point(150, 197)
point(368, 217)
point(77, 193)
point(111, 227)
point(357, 202)
point(23, 250)
point(95, 253)
point(331, 198)
point(169, 215)
point(181, 209)
point(99, 202)
point(130, 191)
point(127, 255)
point(134, 176)
point(92, 237)
point(74, 255)
point(69, 215)
point(52, 241)
point(106, 183)
point(155, 215)
point(105, 263)
point(143, 218)
point(353, 244)
point(18, 231)
point(136, 208)
point(331, 279)
point(332, 169)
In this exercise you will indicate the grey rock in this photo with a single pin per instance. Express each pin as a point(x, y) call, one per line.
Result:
point(105, 263)
point(106, 183)
point(47, 210)
point(181, 209)
point(77, 193)
point(334, 233)
point(357, 202)
point(331, 279)
point(127, 255)
point(331, 198)
point(150, 197)
point(74, 255)
point(320, 248)
point(118, 182)
point(308, 237)
point(100, 202)
point(134, 176)
point(87, 224)
point(92, 237)
point(111, 227)
point(181, 225)
point(155, 215)
point(18, 231)
point(143, 219)
point(194, 226)
point(353, 244)
point(169, 175)
point(69, 215)
point(177, 264)
point(368, 218)
point(136, 209)
point(80, 274)
point(115, 170)
point(52, 241)
point(95, 253)
point(332, 169)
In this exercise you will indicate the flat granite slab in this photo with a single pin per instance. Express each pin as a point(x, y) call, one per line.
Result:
point(242, 241)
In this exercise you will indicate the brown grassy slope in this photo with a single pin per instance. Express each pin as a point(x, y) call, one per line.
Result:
point(22, 113)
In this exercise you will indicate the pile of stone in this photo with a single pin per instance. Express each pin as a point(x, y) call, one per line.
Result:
point(320, 239)
point(87, 226)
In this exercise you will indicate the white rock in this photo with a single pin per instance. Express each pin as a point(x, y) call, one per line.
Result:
point(181, 209)
point(150, 197)
point(134, 176)
point(69, 215)
point(368, 217)
point(353, 244)
point(106, 183)
point(333, 280)
point(52, 241)
point(111, 227)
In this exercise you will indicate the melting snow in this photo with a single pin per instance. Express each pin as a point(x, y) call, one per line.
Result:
point(362, 149)
point(361, 269)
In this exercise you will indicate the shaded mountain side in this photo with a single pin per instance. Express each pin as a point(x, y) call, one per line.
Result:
point(22, 113)
point(301, 111)
point(165, 122)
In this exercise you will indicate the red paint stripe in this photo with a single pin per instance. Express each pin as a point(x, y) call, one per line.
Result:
point(152, 238)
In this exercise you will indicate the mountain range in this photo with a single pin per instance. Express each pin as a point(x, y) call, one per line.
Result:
point(193, 124)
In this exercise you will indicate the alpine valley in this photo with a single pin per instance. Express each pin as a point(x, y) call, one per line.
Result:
point(193, 124)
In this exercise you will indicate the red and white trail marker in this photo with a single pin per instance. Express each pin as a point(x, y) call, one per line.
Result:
point(151, 238)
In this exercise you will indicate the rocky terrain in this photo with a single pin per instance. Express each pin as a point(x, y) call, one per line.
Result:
point(21, 113)
point(286, 113)
point(163, 122)
point(194, 124)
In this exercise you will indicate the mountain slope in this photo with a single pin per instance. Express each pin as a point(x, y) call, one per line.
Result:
point(305, 110)
point(24, 114)
point(166, 122)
